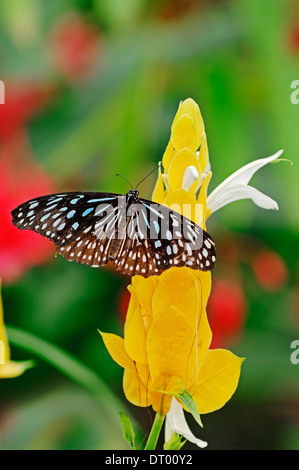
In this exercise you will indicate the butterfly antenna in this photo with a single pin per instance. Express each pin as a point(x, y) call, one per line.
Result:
point(159, 166)
point(118, 174)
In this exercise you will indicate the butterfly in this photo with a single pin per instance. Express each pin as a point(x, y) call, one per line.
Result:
point(136, 235)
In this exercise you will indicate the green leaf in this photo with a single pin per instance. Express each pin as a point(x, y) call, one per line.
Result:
point(175, 442)
point(127, 430)
point(187, 400)
point(69, 365)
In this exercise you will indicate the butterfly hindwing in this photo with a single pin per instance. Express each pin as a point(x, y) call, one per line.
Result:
point(135, 257)
point(85, 248)
point(184, 243)
point(159, 238)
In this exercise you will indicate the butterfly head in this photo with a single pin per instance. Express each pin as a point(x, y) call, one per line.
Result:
point(132, 195)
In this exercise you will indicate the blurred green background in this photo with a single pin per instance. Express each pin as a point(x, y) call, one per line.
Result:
point(92, 87)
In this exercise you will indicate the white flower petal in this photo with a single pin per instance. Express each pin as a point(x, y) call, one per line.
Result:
point(204, 175)
point(236, 187)
point(241, 192)
point(165, 180)
point(190, 176)
point(176, 422)
point(244, 174)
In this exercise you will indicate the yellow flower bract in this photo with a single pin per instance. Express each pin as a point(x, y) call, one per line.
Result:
point(167, 334)
point(8, 368)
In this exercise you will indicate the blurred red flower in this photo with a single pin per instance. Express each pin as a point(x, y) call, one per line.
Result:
point(74, 46)
point(22, 101)
point(270, 270)
point(293, 38)
point(174, 8)
point(226, 310)
point(21, 179)
point(123, 304)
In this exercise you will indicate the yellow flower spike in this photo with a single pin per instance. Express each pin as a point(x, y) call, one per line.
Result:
point(135, 320)
point(135, 391)
point(185, 134)
point(174, 386)
point(186, 204)
point(177, 287)
point(135, 337)
point(160, 402)
point(188, 126)
point(203, 155)
point(133, 304)
point(202, 334)
point(201, 343)
point(116, 348)
point(168, 156)
point(165, 352)
point(144, 289)
point(218, 378)
point(138, 390)
point(143, 372)
point(136, 374)
point(208, 213)
point(178, 165)
point(202, 199)
point(8, 368)
point(191, 108)
point(168, 344)
point(159, 192)
point(204, 279)
point(203, 337)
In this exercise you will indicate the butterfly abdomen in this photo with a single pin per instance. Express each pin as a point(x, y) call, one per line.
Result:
point(114, 248)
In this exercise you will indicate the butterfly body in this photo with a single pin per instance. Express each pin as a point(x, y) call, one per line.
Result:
point(137, 235)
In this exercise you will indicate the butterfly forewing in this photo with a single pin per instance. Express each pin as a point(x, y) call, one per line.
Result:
point(75, 222)
point(140, 237)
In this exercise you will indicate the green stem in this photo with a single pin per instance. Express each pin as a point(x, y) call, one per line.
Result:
point(69, 366)
point(155, 431)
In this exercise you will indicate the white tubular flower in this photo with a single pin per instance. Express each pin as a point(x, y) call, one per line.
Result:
point(190, 177)
point(176, 422)
point(236, 187)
